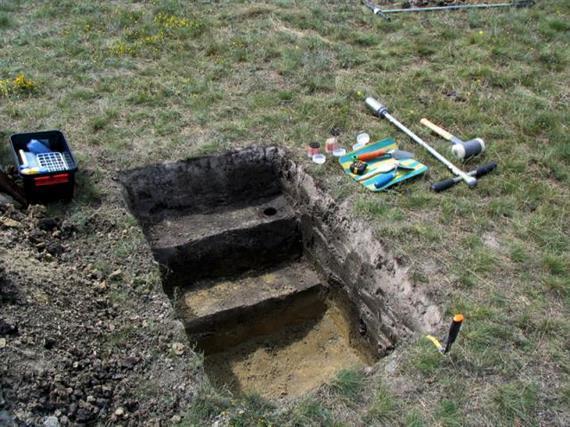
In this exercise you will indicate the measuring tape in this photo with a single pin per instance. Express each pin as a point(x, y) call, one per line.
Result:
point(358, 167)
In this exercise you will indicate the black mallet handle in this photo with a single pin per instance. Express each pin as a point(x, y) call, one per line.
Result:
point(453, 331)
point(450, 182)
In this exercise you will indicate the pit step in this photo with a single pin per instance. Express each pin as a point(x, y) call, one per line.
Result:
point(227, 240)
point(218, 314)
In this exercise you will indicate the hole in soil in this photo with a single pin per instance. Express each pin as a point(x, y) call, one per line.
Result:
point(269, 211)
point(278, 303)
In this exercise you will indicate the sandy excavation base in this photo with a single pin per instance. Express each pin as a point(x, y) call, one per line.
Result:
point(290, 363)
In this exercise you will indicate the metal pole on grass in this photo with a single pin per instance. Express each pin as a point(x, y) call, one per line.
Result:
point(377, 10)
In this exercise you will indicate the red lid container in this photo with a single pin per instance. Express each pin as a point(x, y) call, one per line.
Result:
point(51, 182)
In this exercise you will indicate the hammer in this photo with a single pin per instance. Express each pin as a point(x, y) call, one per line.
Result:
point(461, 149)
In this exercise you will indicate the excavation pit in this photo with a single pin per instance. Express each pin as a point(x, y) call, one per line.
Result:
point(272, 280)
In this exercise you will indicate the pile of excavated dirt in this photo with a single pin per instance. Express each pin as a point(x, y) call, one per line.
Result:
point(78, 345)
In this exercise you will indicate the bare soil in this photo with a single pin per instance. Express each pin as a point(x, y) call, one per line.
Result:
point(78, 342)
point(290, 363)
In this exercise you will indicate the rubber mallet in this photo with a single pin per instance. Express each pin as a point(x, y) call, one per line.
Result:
point(382, 112)
point(463, 150)
point(450, 182)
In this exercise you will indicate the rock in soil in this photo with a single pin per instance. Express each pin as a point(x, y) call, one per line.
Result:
point(51, 422)
point(7, 328)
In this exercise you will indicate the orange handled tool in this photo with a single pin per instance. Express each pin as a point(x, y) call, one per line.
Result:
point(395, 154)
point(372, 155)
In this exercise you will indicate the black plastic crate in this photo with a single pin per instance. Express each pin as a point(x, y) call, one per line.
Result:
point(51, 184)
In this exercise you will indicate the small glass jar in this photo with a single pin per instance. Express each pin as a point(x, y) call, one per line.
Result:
point(331, 144)
point(361, 140)
point(312, 149)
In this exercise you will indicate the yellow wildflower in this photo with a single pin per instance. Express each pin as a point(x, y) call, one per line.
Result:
point(23, 83)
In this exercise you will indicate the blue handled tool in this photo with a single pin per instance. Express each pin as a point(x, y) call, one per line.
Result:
point(385, 178)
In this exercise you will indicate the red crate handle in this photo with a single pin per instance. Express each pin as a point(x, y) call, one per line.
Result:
point(60, 178)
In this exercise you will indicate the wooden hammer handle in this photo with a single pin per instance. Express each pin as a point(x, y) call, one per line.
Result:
point(436, 129)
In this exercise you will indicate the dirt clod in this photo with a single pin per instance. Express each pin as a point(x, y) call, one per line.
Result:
point(7, 328)
point(48, 224)
point(178, 348)
point(10, 223)
point(51, 422)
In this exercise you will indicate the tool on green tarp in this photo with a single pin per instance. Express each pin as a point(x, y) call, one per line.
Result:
point(450, 182)
point(380, 165)
point(358, 167)
point(385, 166)
point(396, 154)
point(385, 177)
point(377, 10)
point(463, 150)
point(451, 336)
point(381, 111)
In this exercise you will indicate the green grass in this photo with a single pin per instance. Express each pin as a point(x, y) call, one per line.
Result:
point(384, 410)
point(348, 384)
point(132, 83)
point(515, 403)
point(310, 412)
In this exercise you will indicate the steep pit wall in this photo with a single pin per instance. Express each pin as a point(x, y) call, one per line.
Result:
point(347, 251)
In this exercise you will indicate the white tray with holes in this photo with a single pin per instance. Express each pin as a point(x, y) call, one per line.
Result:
point(55, 161)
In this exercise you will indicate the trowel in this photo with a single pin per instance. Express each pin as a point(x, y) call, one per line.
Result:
point(387, 168)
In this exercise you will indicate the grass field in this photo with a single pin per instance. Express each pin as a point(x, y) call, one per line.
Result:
point(136, 82)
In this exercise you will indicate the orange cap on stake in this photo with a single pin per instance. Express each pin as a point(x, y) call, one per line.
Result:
point(453, 331)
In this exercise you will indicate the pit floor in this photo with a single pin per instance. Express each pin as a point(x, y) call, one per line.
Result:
point(289, 363)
